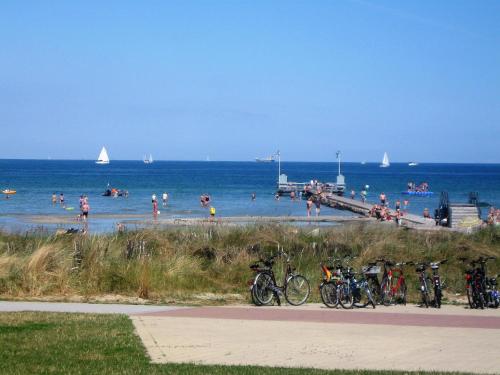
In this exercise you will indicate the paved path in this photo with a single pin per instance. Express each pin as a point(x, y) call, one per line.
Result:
point(395, 338)
point(83, 307)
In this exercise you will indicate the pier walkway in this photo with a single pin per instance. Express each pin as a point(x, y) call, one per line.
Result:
point(358, 207)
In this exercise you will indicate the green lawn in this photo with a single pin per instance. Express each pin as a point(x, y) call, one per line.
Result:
point(62, 343)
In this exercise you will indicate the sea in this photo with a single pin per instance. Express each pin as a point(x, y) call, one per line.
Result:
point(230, 185)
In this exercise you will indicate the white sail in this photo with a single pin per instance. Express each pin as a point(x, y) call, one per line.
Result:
point(385, 161)
point(150, 158)
point(103, 157)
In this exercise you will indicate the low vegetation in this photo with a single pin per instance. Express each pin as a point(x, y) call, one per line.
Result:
point(57, 343)
point(210, 264)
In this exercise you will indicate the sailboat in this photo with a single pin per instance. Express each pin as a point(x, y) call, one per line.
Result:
point(148, 161)
point(413, 164)
point(103, 157)
point(385, 161)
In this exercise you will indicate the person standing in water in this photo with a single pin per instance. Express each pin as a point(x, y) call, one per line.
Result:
point(383, 199)
point(353, 194)
point(254, 196)
point(318, 206)
point(54, 198)
point(165, 199)
point(61, 199)
point(155, 208)
point(309, 205)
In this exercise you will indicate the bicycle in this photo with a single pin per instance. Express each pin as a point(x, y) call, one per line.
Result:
point(393, 286)
point(430, 288)
point(481, 290)
point(328, 289)
point(371, 272)
point(353, 292)
point(295, 288)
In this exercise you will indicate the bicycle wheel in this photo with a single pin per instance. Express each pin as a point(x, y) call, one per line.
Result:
point(346, 299)
point(470, 297)
point(374, 286)
point(329, 295)
point(362, 296)
point(401, 293)
point(437, 297)
point(255, 301)
point(262, 292)
point(386, 293)
point(297, 290)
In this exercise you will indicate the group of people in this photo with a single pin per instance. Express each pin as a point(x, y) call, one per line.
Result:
point(309, 204)
point(493, 216)
point(154, 201)
point(423, 187)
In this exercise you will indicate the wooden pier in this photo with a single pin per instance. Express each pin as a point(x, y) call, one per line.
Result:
point(358, 207)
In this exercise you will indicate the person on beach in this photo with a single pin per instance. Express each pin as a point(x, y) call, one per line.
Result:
point(353, 194)
point(309, 205)
point(212, 212)
point(164, 198)
point(383, 199)
point(54, 198)
point(318, 206)
point(397, 217)
point(292, 195)
point(254, 197)
point(153, 198)
point(61, 199)
point(398, 205)
point(85, 210)
point(427, 214)
point(363, 195)
point(405, 204)
point(155, 208)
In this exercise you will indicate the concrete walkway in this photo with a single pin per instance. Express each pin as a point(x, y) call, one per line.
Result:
point(8, 306)
point(389, 338)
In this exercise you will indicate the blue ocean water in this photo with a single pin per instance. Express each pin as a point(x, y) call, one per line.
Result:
point(230, 185)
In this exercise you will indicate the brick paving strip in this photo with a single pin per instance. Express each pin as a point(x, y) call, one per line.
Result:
point(334, 316)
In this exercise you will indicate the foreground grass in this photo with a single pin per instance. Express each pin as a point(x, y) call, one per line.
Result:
point(61, 343)
point(210, 264)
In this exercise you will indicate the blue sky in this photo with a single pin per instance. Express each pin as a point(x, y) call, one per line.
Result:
point(240, 79)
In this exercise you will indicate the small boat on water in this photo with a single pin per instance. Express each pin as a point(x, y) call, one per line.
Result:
point(385, 161)
point(269, 159)
point(418, 193)
point(148, 160)
point(412, 164)
point(103, 157)
point(9, 192)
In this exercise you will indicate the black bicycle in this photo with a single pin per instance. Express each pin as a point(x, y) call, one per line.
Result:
point(265, 289)
point(481, 290)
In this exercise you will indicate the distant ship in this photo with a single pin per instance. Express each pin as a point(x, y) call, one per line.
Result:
point(269, 159)
point(103, 157)
point(363, 162)
point(385, 161)
point(148, 160)
point(412, 164)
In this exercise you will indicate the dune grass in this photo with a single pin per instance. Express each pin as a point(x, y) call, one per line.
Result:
point(210, 264)
point(62, 343)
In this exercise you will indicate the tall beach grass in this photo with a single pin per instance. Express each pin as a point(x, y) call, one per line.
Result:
point(210, 264)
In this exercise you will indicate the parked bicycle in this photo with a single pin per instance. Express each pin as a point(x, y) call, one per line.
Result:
point(340, 286)
point(430, 287)
point(265, 289)
point(481, 290)
point(332, 278)
point(393, 288)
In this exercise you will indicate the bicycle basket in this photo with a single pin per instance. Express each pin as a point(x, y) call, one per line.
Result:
point(371, 270)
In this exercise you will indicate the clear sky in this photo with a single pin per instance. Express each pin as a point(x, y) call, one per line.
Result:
point(240, 79)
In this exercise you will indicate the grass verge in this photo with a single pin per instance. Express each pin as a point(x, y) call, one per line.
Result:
point(63, 343)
